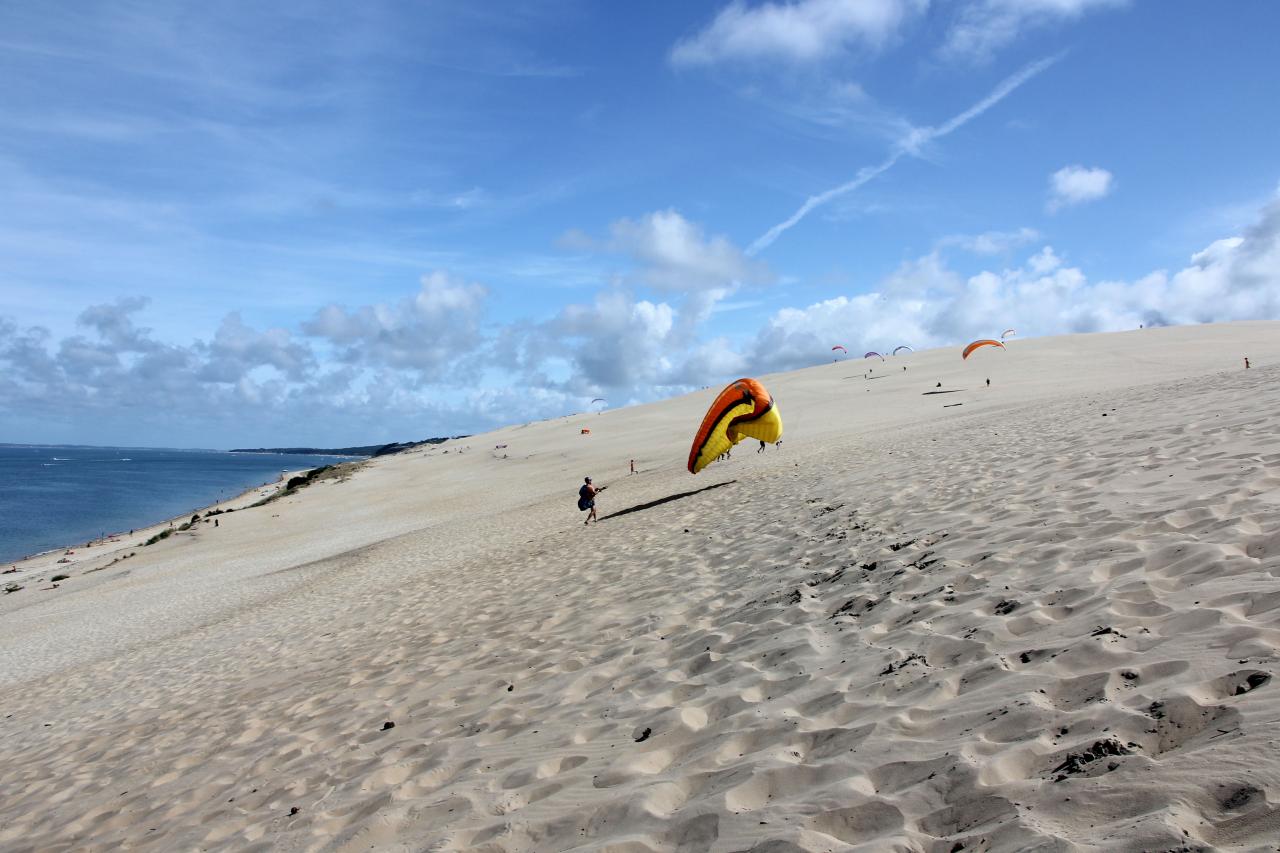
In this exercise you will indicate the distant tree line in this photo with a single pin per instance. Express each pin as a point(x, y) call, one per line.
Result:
point(368, 450)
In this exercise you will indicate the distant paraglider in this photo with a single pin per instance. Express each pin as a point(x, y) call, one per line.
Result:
point(742, 410)
point(985, 342)
point(897, 350)
point(876, 354)
point(838, 347)
point(1007, 332)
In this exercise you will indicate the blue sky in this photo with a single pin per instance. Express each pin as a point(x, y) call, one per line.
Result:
point(226, 225)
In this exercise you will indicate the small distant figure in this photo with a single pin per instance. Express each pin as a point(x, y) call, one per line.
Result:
point(988, 383)
point(633, 466)
point(761, 450)
point(939, 385)
point(904, 369)
point(778, 443)
point(215, 522)
point(587, 499)
point(1246, 362)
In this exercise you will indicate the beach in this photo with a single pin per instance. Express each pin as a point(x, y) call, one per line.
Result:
point(940, 616)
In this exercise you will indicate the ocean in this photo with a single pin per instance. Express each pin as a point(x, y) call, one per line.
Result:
point(52, 497)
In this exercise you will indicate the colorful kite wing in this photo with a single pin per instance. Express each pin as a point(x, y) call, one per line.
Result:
point(742, 410)
point(985, 342)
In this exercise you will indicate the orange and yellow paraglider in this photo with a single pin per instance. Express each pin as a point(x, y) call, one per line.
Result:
point(985, 342)
point(742, 410)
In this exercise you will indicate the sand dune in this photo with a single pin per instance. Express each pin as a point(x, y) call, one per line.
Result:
point(1045, 619)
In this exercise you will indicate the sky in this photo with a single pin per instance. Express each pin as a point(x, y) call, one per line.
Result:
point(246, 224)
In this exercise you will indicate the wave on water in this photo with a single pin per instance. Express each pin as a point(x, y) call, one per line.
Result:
point(61, 458)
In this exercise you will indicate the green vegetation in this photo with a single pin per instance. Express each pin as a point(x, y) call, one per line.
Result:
point(163, 534)
point(325, 472)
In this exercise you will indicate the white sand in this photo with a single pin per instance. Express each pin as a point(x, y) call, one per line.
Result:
point(1013, 624)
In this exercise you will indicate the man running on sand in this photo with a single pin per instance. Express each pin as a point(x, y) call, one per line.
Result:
point(587, 499)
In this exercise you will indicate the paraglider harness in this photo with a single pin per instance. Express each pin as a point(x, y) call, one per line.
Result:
point(586, 499)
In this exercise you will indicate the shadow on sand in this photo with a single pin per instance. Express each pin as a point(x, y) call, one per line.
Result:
point(667, 499)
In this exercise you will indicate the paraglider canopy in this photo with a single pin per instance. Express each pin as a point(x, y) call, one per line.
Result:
point(742, 410)
point(876, 354)
point(1006, 333)
point(897, 350)
point(838, 347)
point(985, 342)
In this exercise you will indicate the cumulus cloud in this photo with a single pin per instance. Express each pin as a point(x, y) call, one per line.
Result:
point(114, 323)
point(798, 32)
point(981, 28)
point(673, 254)
point(237, 349)
point(118, 373)
point(1072, 185)
point(924, 303)
point(426, 332)
point(637, 348)
point(619, 345)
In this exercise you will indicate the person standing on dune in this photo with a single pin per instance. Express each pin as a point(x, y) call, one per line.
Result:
point(587, 499)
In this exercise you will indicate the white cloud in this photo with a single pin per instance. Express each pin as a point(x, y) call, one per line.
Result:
point(236, 350)
point(982, 27)
point(401, 376)
point(992, 242)
point(1045, 261)
point(673, 254)
point(677, 256)
point(802, 31)
point(427, 332)
point(1076, 185)
point(926, 304)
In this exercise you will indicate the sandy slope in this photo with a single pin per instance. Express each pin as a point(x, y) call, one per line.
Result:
point(1007, 625)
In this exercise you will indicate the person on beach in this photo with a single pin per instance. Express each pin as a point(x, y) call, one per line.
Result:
point(761, 450)
point(633, 466)
point(587, 499)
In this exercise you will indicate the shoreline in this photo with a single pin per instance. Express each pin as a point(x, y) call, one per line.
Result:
point(113, 542)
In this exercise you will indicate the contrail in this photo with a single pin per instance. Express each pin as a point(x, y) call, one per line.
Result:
point(910, 145)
